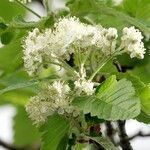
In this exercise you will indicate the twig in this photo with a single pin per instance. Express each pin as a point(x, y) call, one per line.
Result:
point(139, 134)
point(33, 12)
point(110, 130)
point(124, 140)
point(8, 146)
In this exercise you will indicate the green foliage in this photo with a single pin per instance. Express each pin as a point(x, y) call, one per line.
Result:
point(143, 72)
point(137, 83)
point(80, 6)
point(13, 53)
point(25, 134)
point(3, 26)
point(6, 37)
point(114, 100)
point(143, 92)
point(17, 86)
point(101, 11)
point(137, 8)
point(143, 117)
point(145, 99)
point(9, 10)
point(104, 142)
point(54, 132)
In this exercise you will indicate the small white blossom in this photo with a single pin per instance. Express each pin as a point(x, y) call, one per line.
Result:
point(111, 33)
point(22, 1)
point(132, 42)
point(109, 40)
point(83, 86)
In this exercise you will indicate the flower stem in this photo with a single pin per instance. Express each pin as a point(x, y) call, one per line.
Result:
point(100, 67)
point(86, 57)
point(46, 5)
point(68, 67)
point(27, 8)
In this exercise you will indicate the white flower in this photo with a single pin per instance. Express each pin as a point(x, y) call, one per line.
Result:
point(109, 37)
point(52, 98)
point(132, 42)
point(68, 36)
point(22, 1)
point(35, 46)
point(58, 93)
point(111, 33)
point(83, 86)
point(38, 110)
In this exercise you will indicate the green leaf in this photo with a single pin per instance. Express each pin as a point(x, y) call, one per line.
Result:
point(114, 100)
point(104, 142)
point(53, 132)
point(145, 99)
point(9, 10)
point(25, 133)
point(63, 143)
point(137, 83)
point(106, 86)
point(11, 57)
point(82, 8)
point(19, 97)
point(3, 26)
point(81, 5)
point(137, 8)
point(109, 69)
point(143, 72)
point(143, 117)
point(80, 146)
point(17, 86)
point(7, 37)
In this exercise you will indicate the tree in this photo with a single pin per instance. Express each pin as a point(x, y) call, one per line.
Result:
point(74, 70)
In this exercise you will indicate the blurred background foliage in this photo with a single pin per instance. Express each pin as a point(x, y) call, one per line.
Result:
point(13, 28)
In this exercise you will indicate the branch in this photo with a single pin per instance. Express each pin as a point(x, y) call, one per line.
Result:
point(124, 140)
point(110, 130)
point(139, 134)
point(8, 146)
point(12, 147)
point(27, 8)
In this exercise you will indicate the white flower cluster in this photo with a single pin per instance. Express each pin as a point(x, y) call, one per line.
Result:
point(22, 1)
point(53, 98)
point(68, 35)
point(110, 40)
point(83, 86)
point(132, 42)
point(35, 46)
point(38, 109)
